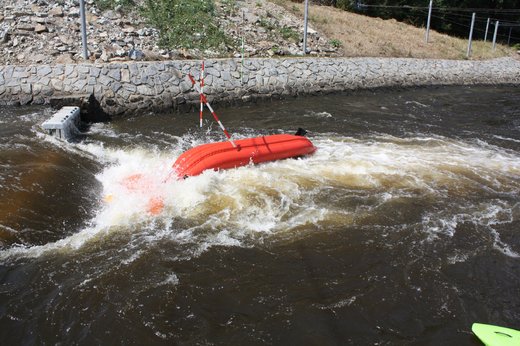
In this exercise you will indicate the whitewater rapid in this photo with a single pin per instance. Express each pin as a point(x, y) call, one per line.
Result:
point(346, 182)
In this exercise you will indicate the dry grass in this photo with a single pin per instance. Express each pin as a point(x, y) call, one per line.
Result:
point(366, 36)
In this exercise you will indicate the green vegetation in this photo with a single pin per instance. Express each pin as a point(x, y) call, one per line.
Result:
point(265, 23)
point(186, 24)
point(230, 6)
point(335, 43)
point(114, 4)
point(289, 34)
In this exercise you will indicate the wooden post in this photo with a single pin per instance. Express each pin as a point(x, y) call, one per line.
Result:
point(509, 38)
point(468, 53)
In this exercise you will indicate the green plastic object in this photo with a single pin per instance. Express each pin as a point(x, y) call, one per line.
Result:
point(496, 336)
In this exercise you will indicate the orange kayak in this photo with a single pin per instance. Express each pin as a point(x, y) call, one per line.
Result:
point(222, 155)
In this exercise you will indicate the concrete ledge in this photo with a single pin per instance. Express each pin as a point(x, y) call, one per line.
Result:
point(128, 88)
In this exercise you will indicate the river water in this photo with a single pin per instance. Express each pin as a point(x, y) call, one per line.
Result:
point(403, 227)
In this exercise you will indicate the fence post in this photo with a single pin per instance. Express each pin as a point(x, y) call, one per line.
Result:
point(428, 22)
point(83, 28)
point(509, 38)
point(487, 28)
point(495, 36)
point(305, 27)
point(468, 53)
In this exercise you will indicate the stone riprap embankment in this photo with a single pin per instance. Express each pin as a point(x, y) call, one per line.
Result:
point(136, 87)
point(48, 32)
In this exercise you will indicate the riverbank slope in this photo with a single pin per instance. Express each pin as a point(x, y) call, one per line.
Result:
point(40, 32)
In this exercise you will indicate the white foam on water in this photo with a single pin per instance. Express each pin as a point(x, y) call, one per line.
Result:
point(171, 280)
point(503, 247)
point(7, 228)
point(104, 129)
point(318, 115)
point(507, 139)
point(244, 206)
point(338, 305)
point(458, 257)
point(485, 215)
point(417, 104)
point(31, 117)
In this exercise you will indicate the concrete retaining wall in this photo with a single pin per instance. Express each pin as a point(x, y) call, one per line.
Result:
point(127, 88)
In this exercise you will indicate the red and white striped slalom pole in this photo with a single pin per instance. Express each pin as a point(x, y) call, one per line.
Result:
point(205, 100)
point(201, 92)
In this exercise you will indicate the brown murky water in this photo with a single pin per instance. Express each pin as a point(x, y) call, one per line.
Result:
point(403, 228)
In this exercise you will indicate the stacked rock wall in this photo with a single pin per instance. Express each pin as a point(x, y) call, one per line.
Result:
point(129, 88)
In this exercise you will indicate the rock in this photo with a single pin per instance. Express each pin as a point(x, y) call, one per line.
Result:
point(125, 76)
point(115, 74)
point(251, 18)
point(106, 55)
point(111, 15)
point(44, 70)
point(128, 29)
point(39, 20)
point(58, 31)
point(40, 28)
point(73, 12)
point(66, 39)
point(37, 58)
point(56, 12)
point(145, 32)
point(21, 33)
point(25, 27)
point(21, 13)
point(91, 18)
point(311, 31)
point(65, 59)
point(25, 99)
point(95, 71)
point(135, 98)
point(136, 54)
point(120, 52)
point(117, 59)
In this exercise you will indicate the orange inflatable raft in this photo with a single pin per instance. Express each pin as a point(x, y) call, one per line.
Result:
point(223, 155)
